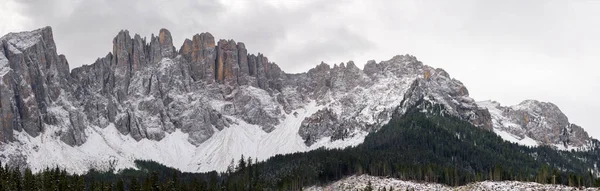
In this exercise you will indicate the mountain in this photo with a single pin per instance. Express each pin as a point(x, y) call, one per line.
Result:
point(200, 107)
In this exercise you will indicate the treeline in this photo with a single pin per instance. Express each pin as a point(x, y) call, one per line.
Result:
point(417, 146)
point(431, 148)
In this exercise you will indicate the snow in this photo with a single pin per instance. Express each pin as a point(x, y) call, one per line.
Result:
point(378, 183)
point(164, 64)
point(527, 141)
point(105, 148)
point(568, 147)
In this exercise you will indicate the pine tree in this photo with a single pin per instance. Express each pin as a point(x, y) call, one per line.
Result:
point(62, 180)
point(154, 181)
point(16, 180)
point(29, 180)
point(80, 184)
point(134, 185)
point(241, 164)
point(147, 186)
point(120, 185)
point(175, 179)
point(231, 167)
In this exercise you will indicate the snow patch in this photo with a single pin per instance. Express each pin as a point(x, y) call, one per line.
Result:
point(527, 141)
point(104, 149)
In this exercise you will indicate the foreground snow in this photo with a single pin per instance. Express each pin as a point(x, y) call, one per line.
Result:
point(378, 183)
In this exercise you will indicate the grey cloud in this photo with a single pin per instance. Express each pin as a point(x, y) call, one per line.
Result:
point(340, 42)
point(85, 31)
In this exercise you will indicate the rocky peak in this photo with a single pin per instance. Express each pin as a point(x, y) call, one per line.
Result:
point(371, 68)
point(351, 66)
point(200, 53)
point(33, 77)
point(323, 67)
point(227, 62)
point(244, 73)
point(166, 43)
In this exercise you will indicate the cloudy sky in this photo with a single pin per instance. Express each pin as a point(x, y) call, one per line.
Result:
point(506, 51)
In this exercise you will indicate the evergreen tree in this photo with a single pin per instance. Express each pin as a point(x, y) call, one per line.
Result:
point(241, 164)
point(120, 186)
point(29, 180)
point(16, 180)
point(134, 185)
point(231, 167)
point(80, 183)
point(154, 181)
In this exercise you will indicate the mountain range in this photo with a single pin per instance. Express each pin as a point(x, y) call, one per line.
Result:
point(198, 107)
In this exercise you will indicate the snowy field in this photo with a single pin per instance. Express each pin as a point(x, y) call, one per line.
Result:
point(378, 183)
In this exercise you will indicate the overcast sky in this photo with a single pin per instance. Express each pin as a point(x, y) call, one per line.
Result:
point(506, 51)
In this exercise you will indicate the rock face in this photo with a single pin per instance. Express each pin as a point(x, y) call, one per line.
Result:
point(34, 78)
point(540, 121)
point(150, 95)
point(200, 53)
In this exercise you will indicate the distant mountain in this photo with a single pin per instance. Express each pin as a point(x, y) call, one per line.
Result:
point(209, 102)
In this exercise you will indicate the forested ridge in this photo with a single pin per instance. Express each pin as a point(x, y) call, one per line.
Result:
point(418, 146)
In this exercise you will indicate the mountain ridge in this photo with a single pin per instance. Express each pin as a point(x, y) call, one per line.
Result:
point(203, 91)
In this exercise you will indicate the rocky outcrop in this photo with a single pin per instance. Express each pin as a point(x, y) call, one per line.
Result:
point(34, 76)
point(540, 121)
point(244, 70)
point(201, 54)
point(325, 123)
point(228, 68)
point(167, 50)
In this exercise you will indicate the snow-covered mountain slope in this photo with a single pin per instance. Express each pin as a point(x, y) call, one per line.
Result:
point(201, 106)
point(536, 123)
point(378, 183)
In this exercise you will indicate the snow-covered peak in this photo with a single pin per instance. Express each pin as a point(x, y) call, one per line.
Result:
point(535, 106)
